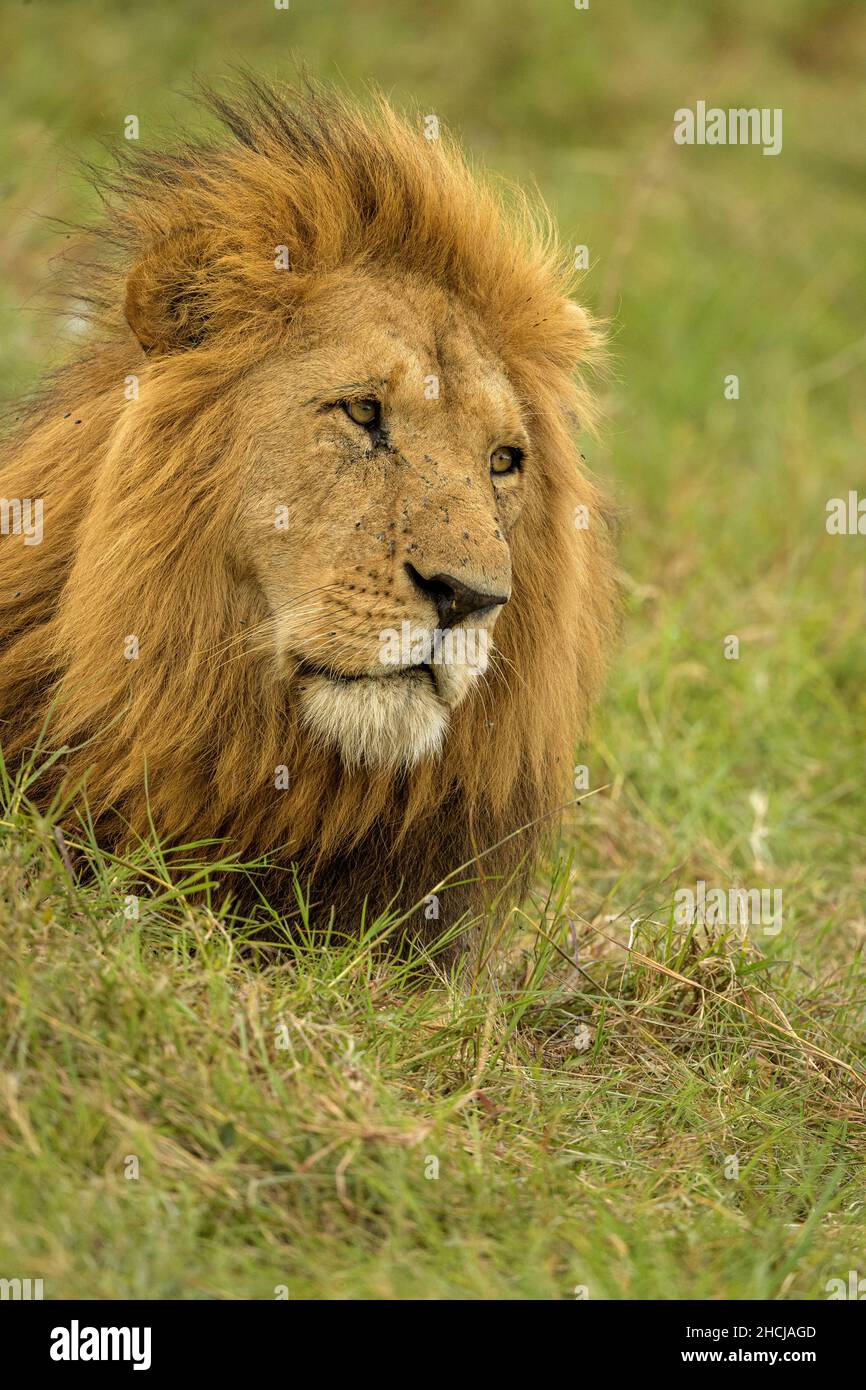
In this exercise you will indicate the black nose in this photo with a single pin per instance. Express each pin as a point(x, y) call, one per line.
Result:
point(454, 600)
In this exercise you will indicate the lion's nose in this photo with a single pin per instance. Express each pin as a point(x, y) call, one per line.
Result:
point(454, 600)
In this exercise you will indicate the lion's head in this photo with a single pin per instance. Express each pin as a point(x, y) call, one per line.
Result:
point(321, 571)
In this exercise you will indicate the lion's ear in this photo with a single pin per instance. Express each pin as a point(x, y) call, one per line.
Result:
point(166, 293)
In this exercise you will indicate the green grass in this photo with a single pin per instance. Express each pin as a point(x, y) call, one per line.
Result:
point(284, 1107)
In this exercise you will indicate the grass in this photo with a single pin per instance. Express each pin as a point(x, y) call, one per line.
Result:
point(284, 1109)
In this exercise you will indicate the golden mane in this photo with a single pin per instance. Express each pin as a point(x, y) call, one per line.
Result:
point(138, 510)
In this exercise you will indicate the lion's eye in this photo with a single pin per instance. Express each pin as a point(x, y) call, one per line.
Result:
point(505, 459)
point(364, 413)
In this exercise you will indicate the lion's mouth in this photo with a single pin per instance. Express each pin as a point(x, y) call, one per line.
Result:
point(423, 672)
point(393, 718)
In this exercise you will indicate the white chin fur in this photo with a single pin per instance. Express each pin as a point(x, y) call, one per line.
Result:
point(389, 722)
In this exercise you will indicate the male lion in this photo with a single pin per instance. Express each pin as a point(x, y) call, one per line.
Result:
point(320, 574)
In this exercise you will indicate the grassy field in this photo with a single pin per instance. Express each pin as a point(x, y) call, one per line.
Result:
point(180, 1118)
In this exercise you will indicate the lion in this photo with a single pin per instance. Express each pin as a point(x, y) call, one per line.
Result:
point(321, 578)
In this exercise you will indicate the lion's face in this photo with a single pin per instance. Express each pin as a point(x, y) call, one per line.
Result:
point(388, 462)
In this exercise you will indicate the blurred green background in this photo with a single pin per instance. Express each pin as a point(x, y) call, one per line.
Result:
point(707, 261)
